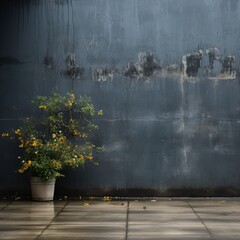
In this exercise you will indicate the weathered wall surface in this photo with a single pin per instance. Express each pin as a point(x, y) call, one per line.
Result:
point(165, 72)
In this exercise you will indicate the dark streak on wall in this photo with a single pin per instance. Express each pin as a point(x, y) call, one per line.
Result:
point(73, 70)
point(215, 66)
point(49, 63)
point(213, 55)
point(9, 60)
point(193, 63)
point(228, 66)
point(145, 67)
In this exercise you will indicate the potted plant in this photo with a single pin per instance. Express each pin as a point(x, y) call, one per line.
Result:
point(59, 137)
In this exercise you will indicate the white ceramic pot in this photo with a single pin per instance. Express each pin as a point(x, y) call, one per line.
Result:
point(42, 190)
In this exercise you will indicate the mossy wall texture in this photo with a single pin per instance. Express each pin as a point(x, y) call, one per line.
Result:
point(165, 73)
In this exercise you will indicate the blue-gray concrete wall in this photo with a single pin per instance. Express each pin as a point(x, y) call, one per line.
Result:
point(165, 72)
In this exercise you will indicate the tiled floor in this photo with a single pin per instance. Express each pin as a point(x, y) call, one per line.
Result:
point(163, 219)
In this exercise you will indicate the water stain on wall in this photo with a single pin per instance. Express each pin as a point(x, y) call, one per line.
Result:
point(73, 70)
point(173, 68)
point(228, 66)
point(9, 60)
point(144, 68)
point(209, 63)
point(49, 62)
point(103, 74)
point(191, 63)
point(213, 55)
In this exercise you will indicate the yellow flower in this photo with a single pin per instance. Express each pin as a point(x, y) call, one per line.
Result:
point(42, 107)
point(107, 198)
point(76, 133)
point(56, 164)
point(24, 167)
point(34, 144)
point(90, 157)
point(17, 132)
point(29, 162)
point(62, 139)
point(21, 145)
point(100, 112)
point(68, 104)
point(92, 198)
point(84, 135)
point(72, 96)
point(5, 134)
point(54, 135)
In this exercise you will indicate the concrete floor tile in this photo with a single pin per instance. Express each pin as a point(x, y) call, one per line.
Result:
point(162, 220)
point(52, 237)
point(160, 207)
point(33, 223)
point(86, 231)
point(37, 206)
point(173, 229)
point(97, 204)
point(219, 218)
point(77, 213)
point(97, 227)
point(20, 233)
point(18, 237)
point(172, 203)
point(93, 206)
point(3, 204)
point(79, 220)
point(160, 237)
point(84, 235)
point(27, 227)
point(227, 236)
point(92, 223)
point(224, 229)
point(91, 231)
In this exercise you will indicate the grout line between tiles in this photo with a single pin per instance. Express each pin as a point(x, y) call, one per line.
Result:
point(51, 221)
point(199, 218)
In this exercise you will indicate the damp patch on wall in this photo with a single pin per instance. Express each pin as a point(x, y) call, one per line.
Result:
point(191, 63)
point(73, 70)
point(8, 60)
point(146, 66)
point(49, 62)
point(171, 70)
point(103, 74)
point(209, 63)
point(213, 55)
point(228, 67)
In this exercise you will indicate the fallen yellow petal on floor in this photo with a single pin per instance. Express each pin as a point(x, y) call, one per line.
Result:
point(222, 202)
point(107, 198)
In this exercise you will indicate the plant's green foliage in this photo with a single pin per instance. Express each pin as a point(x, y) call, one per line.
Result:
point(60, 137)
